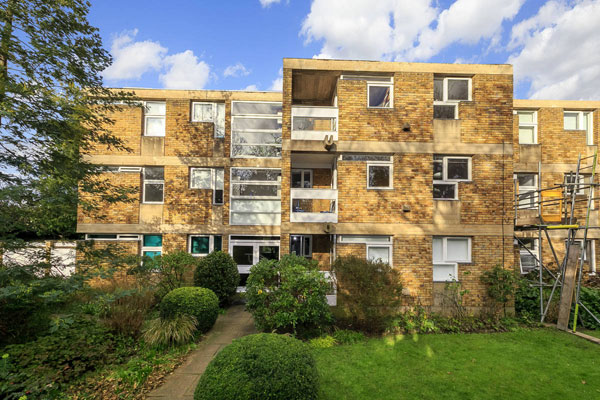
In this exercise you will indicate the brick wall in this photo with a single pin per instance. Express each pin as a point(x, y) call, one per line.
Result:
point(182, 204)
point(128, 126)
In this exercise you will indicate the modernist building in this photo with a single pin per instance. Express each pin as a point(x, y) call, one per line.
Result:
point(410, 163)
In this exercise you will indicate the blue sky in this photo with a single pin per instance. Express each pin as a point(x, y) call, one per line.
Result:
point(230, 45)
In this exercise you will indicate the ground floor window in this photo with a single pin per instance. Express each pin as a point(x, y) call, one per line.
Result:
point(152, 245)
point(201, 245)
point(301, 245)
point(249, 250)
point(448, 252)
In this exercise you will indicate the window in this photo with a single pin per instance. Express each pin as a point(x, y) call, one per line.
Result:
point(380, 95)
point(154, 118)
point(447, 171)
point(95, 236)
point(527, 186)
point(209, 178)
point(152, 246)
point(364, 239)
point(255, 196)
point(201, 245)
point(301, 245)
point(366, 157)
point(589, 255)
point(154, 185)
point(447, 253)
point(256, 129)
point(528, 254)
point(380, 176)
point(381, 253)
point(210, 112)
point(302, 178)
point(527, 127)
point(580, 121)
point(580, 189)
point(447, 93)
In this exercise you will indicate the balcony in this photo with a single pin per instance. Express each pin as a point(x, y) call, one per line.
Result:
point(314, 205)
point(314, 123)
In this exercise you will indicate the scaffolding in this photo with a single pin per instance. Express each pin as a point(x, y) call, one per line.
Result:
point(555, 208)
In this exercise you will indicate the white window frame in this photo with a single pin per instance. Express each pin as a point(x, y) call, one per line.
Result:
point(146, 115)
point(303, 172)
point(388, 246)
point(234, 117)
point(390, 165)
point(211, 244)
point(212, 178)
point(533, 124)
point(120, 237)
point(214, 117)
point(592, 263)
point(215, 188)
point(331, 298)
point(155, 182)
point(581, 116)
point(445, 101)
point(522, 190)
point(446, 181)
point(129, 169)
point(150, 248)
point(381, 84)
point(213, 111)
point(366, 239)
point(582, 181)
point(524, 252)
point(307, 254)
point(445, 259)
point(233, 197)
point(447, 264)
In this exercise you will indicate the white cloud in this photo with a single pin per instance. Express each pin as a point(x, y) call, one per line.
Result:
point(277, 84)
point(236, 71)
point(557, 50)
point(251, 88)
point(132, 59)
point(267, 3)
point(402, 29)
point(184, 71)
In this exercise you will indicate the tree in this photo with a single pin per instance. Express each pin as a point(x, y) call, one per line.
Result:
point(53, 107)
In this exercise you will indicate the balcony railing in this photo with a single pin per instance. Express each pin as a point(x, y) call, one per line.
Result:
point(314, 205)
point(314, 123)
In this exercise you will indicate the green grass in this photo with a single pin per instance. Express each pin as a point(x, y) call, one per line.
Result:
point(527, 364)
point(595, 333)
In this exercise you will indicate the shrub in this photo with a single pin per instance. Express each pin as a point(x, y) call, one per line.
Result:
point(44, 367)
point(167, 272)
point(344, 336)
point(413, 321)
point(200, 303)
point(323, 342)
point(288, 295)
point(591, 299)
point(179, 329)
point(219, 273)
point(369, 293)
point(126, 313)
point(501, 285)
point(263, 366)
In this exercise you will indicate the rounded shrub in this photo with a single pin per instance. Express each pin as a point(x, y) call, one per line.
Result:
point(261, 366)
point(219, 273)
point(200, 303)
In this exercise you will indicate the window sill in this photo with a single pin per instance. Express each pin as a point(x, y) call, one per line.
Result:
point(446, 199)
point(529, 144)
point(154, 135)
point(446, 119)
point(152, 202)
point(379, 108)
point(454, 281)
point(378, 188)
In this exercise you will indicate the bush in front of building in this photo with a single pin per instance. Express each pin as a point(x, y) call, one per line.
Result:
point(288, 296)
point(219, 273)
point(261, 366)
point(200, 303)
point(368, 293)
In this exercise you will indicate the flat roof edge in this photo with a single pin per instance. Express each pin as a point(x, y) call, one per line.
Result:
point(389, 66)
point(533, 103)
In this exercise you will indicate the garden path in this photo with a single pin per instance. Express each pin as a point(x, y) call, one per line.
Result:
point(181, 383)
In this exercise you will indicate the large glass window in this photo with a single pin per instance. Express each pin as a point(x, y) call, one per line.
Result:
point(301, 245)
point(256, 129)
point(527, 127)
point(154, 185)
point(154, 118)
point(255, 196)
point(447, 171)
point(447, 253)
point(447, 94)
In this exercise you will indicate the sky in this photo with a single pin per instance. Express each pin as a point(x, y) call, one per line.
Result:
point(553, 45)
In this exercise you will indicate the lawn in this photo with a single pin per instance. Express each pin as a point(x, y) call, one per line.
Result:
point(527, 364)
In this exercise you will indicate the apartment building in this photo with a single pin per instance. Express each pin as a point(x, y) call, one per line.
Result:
point(410, 163)
point(549, 137)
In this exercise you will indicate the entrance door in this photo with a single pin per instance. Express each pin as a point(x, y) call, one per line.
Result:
point(247, 251)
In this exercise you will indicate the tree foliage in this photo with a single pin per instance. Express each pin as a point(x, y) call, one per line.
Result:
point(53, 107)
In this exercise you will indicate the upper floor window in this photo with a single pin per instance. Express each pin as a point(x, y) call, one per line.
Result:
point(256, 129)
point(447, 172)
point(527, 186)
point(154, 185)
point(527, 127)
point(154, 118)
point(577, 183)
point(302, 178)
point(380, 175)
point(209, 178)
point(380, 89)
point(210, 112)
point(447, 93)
point(255, 196)
point(580, 121)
